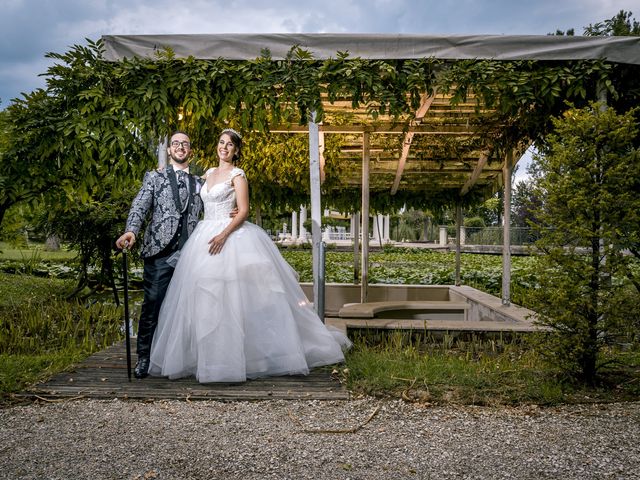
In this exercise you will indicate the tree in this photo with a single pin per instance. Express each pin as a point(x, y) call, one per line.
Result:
point(29, 167)
point(524, 201)
point(91, 228)
point(622, 25)
point(489, 211)
point(411, 225)
point(589, 186)
point(569, 33)
point(72, 135)
point(619, 25)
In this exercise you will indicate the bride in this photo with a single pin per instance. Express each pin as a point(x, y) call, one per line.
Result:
point(234, 309)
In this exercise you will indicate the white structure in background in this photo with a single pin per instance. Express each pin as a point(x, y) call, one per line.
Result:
point(298, 232)
point(387, 227)
point(294, 226)
point(444, 238)
point(302, 237)
point(330, 233)
point(381, 228)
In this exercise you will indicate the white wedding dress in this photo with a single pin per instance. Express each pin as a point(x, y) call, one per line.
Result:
point(238, 314)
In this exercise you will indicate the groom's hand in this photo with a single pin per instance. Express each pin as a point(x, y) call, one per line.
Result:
point(233, 212)
point(126, 240)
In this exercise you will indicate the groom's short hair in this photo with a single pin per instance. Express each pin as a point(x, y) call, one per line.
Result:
point(176, 132)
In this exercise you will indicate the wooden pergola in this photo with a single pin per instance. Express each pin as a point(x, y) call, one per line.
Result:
point(443, 147)
point(458, 135)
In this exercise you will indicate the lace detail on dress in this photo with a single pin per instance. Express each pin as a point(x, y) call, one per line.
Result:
point(235, 173)
point(221, 199)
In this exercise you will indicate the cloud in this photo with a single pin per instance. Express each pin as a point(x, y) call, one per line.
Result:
point(30, 28)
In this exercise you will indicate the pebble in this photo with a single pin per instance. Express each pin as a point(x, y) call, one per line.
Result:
point(366, 438)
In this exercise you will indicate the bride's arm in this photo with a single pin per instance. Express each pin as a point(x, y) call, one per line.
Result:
point(242, 199)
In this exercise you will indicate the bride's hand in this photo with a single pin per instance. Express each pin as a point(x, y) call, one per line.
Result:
point(216, 243)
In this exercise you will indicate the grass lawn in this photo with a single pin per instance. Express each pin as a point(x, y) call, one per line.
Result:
point(41, 334)
point(16, 290)
point(477, 372)
point(34, 251)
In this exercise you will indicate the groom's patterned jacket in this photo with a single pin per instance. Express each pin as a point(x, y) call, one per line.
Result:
point(155, 196)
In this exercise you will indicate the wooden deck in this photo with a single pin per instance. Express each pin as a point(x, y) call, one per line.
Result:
point(104, 376)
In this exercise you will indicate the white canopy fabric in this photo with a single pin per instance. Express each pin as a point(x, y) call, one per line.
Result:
point(379, 46)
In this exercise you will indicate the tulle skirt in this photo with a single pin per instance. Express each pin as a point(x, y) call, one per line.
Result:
point(238, 314)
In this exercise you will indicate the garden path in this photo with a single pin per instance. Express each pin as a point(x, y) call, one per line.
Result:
point(104, 376)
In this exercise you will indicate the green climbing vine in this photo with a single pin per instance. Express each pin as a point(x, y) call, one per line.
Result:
point(97, 118)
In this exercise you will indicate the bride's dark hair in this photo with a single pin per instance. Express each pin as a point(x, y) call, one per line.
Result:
point(236, 138)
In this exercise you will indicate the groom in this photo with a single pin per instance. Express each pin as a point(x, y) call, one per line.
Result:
point(171, 196)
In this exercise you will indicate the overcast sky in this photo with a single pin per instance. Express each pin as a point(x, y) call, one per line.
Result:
point(31, 28)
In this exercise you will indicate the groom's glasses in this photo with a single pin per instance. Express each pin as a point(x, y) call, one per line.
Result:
point(176, 144)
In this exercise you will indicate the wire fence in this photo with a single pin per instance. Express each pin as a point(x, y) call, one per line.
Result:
point(495, 236)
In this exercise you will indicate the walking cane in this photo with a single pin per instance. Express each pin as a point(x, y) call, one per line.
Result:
point(125, 270)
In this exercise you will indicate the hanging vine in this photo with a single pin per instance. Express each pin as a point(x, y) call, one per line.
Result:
point(104, 117)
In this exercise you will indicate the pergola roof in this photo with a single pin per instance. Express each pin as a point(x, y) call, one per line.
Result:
point(441, 147)
point(379, 46)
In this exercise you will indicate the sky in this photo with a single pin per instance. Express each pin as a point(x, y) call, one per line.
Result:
point(31, 28)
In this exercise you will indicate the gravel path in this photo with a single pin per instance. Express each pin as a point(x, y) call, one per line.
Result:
point(358, 439)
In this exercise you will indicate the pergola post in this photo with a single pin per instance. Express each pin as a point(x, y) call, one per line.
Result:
point(162, 152)
point(385, 231)
point(458, 233)
point(506, 231)
point(364, 212)
point(316, 219)
point(355, 220)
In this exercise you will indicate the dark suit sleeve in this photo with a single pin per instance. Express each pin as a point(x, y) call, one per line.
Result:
point(141, 205)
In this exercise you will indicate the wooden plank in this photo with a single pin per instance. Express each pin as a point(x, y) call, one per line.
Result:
point(103, 376)
point(431, 325)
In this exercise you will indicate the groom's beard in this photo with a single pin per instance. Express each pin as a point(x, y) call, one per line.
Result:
point(180, 161)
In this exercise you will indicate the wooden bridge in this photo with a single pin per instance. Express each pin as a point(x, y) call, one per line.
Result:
point(104, 376)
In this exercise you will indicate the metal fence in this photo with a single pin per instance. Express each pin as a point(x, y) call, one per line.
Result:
point(495, 235)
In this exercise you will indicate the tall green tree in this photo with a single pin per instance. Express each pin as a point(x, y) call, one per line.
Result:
point(29, 164)
point(589, 184)
point(620, 25)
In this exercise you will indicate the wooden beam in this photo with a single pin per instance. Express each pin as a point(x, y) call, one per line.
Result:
point(406, 146)
point(408, 138)
point(475, 175)
point(381, 128)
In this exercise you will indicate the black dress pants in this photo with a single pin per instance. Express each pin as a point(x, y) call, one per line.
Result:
point(157, 274)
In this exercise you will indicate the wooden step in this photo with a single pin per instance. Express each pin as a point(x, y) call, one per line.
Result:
point(344, 324)
point(371, 309)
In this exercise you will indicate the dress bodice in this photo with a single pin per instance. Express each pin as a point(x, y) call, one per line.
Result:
point(221, 198)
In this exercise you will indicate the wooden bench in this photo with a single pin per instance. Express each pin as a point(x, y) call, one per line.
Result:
point(371, 309)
